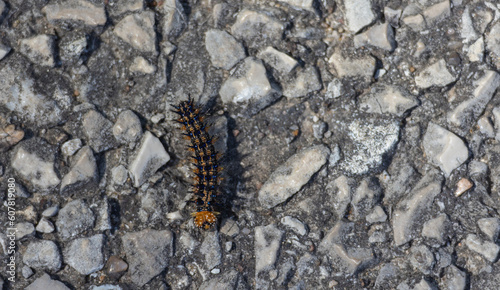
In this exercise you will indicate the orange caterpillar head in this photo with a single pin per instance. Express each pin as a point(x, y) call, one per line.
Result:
point(205, 219)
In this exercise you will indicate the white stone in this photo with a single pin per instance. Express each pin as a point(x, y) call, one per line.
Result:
point(334, 89)
point(476, 50)
point(387, 99)
point(70, 147)
point(76, 10)
point(83, 171)
point(224, 50)
point(377, 215)
point(127, 127)
point(349, 67)
point(435, 228)
point(98, 131)
point(150, 156)
point(453, 279)
point(467, 33)
point(278, 60)
point(304, 81)
point(119, 174)
point(125, 6)
point(490, 227)
point(267, 244)
point(4, 49)
point(444, 149)
point(32, 167)
point(487, 249)
point(300, 4)
point(174, 19)
point(381, 36)
point(435, 74)
point(289, 178)
point(485, 126)
point(46, 282)
point(257, 27)
point(437, 12)
point(415, 22)
point(493, 39)
point(24, 230)
point(294, 223)
point(45, 226)
point(141, 65)
point(39, 49)
point(138, 31)
point(358, 14)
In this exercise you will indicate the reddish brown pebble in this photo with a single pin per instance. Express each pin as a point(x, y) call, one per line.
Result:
point(116, 265)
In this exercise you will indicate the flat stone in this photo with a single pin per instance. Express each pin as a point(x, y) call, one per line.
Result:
point(228, 280)
point(39, 49)
point(45, 226)
point(486, 249)
point(174, 17)
point(85, 255)
point(281, 62)
point(437, 12)
point(476, 50)
point(386, 275)
point(147, 257)
point(138, 31)
point(422, 259)
point(392, 16)
point(42, 255)
point(4, 49)
point(300, 4)
point(436, 228)
point(229, 227)
point(435, 74)
point(377, 215)
point(125, 6)
point(453, 279)
point(341, 191)
point(409, 211)
point(127, 127)
point(358, 14)
point(305, 81)
point(98, 131)
point(33, 160)
point(83, 174)
point(26, 272)
point(295, 224)
point(493, 39)
point(444, 149)
point(24, 230)
point(141, 66)
point(224, 50)
point(51, 211)
point(423, 285)
point(267, 246)
point(249, 84)
point(490, 227)
point(415, 22)
point(45, 282)
point(468, 32)
point(469, 110)
point(119, 174)
point(211, 249)
point(362, 67)
point(149, 157)
point(74, 218)
point(380, 36)
point(70, 147)
point(289, 178)
point(76, 10)
point(371, 141)
point(387, 99)
point(364, 198)
point(257, 28)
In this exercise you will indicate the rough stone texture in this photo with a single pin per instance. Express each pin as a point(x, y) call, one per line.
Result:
point(127, 127)
point(435, 74)
point(304, 82)
point(358, 14)
point(386, 99)
point(98, 131)
point(224, 50)
point(39, 49)
point(175, 19)
point(211, 249)
point(278, 60)
point(45, 282)
point(487, 249)
point(256, 28)
point(267, 247)
point(74, 218)
point(76, 10)
point(381, 36)
point(85, 255)
point(83, 173)
point(42, 254)
point(363, 67)
point(138, 31)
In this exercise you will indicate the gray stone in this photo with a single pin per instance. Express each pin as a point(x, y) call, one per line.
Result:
point(85, 255)
point(319, 129)
point(224, 50)
point(364, 198)
point(453, 279)
point(147, 257)
point(490, 227)
point(423, 285)
point(468, 32)
point(362, 67)
point(392, 16)
point(409, 211)
point(289, 178)
point(300, 4)
point(125, 6)
point(45, 226)
point(377, 215)
point(415, 22)
point(42, 255)
point(281, 62)
point(487, 249)
point(149, 157)
point(341, 191)
point(358, 14)
point(493, 39)
point(387, 99)
point(39, 49)
point(386, 276)
point(228, 280)
point(372, 140)
point(435, 74)
point(76, 10)
point(304, 81)
point(267, 246)
point(106, 287)
point(70, 147)
point(334, 89)
point(444, 149)
point(45, 282)
point(422, 259)
point(24, 230)
point(127, 127)
point(83, 173)
point(4, 49)
point(27, 272)
point(51, 211)
point(257, 28)
point(98, 131)
point(174, 18)
point(211, 249)
point(138, 31)
point(71, 48)
point(33, 160)
point(249, 84)
point(74, 218)
point(178, 278)
point(295, 224)
point(380, 36)
point(229, 227)
point(485, 126)
point(141, 66)
point(103, 219)
point(436, 228)
point(437, 12)
point(119, 174)
point(470, 109)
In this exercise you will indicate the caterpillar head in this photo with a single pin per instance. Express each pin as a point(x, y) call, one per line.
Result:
point(205, 219)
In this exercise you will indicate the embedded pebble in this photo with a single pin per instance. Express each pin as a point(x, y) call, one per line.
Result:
point(74, 218)
point(229, 227)
point(304, 81)
point(116, 265)
point(147, 257)
point(435, 228)
point(211, 249)
point(157, 118)
point(300, 4)
point(45, 282)
point(462, 186)
point(119, 174)
point(267, 246)
point(487, 249)
point(437, 12)
point(51, 211)
point(392, 16)
point(224, 50)
point(76, 10)
point(39, 49)
point(358, 14)
point(83, 173)
point(127, 127)
point(364, 198)
point(42, 255)
point(468, 32)
point(149, 157)
point(475, 52)
point(422, 259)
point(45, 226)
point(435, 74)
point(490, 227)
point(415, 22)
point(4, 49)
point(27, 272)
point(334, 89)
point(383, 99)
point(453, 279)
point(485, 125)
point(295, 224)
point(377, 215)
point(70, 147)
point(492, 39)
point(228, 280)
point(363, 67)
point(287, 179)
point(174, 19)
point(444, 149)
point(257, 28)
point(341, 192)
point(85, 255)
point(319, 129)
point(138, 31)
point(24, 230)
point(281, 62)
point(98, 131)
point(142, 66)
point(127, 6)
point(9, 137)
point(380, 36)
